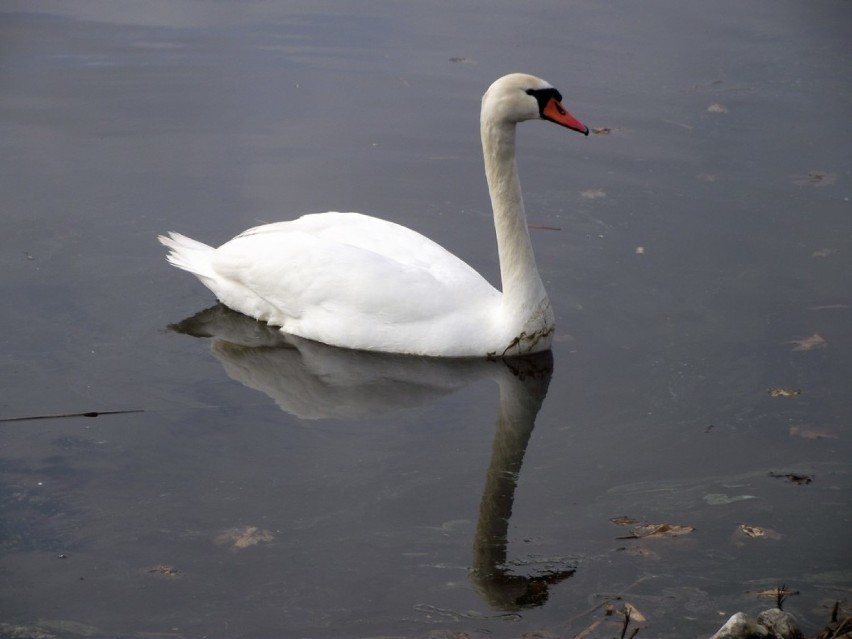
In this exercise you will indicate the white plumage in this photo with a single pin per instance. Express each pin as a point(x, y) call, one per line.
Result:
point(359, 282)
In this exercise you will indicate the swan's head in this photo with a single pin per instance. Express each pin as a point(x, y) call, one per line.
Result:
point(518, 97)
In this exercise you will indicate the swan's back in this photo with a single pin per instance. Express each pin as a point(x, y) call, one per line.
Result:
point(350, 280)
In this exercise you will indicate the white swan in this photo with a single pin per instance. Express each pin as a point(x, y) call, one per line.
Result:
point(358, 282)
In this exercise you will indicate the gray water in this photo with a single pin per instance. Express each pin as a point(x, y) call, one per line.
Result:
point(292, 490)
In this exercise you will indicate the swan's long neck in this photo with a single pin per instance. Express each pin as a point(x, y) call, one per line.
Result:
point(523, 291)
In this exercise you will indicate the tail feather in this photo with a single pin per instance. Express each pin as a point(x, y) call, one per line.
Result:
point(188, 254)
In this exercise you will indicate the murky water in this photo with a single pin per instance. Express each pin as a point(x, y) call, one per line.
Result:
point(295, 490)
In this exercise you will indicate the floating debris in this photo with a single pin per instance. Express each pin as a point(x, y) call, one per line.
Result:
point(60, 415)
point(809, 343)
point(165, 570)
point(818, 179)
point(243, 537)
point(793, 478)
point(825, 252)
point(806, 432)
point(744, 533)
point(647, 531)
point(783, 392)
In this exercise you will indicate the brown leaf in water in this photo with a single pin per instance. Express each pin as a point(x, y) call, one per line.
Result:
point(634, 613)
point(809, 343)
point(624, 520)
point(806, 432)
point(772, 593)
point(165, 570)
point(647, 531)
point(639, 551)
point(778, 391)
point(243, 537)
point(818, 179)
point(756, 532)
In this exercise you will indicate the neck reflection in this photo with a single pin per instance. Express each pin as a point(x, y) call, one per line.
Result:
point(314, 381)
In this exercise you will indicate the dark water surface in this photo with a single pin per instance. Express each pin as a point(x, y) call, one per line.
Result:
point(292, 490)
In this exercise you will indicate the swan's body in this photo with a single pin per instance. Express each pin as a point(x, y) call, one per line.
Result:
point(356, 281)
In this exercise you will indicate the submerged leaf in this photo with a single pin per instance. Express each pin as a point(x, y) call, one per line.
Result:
point(810, 433)
point(720, 499)
point(824, 252)
point(808, 343)
point(624, 520)
point(817, 179)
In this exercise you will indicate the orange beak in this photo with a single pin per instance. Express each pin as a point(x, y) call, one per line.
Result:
point(555, 112)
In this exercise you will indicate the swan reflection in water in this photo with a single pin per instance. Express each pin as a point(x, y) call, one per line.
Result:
point(314, 381)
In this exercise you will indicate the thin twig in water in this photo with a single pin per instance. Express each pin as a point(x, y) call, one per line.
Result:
point(626, 622)
point(60, 415)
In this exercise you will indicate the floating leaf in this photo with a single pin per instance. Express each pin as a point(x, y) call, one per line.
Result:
point(810, 433)
point(165, 570)
point(243, 537)
point(756, 532)
point(647, 531)
point(745, 533)
point(773, 593)
point(783, 392)
point(624, 520)
point(593, 194)
point(818, 179)
point(634, 613)
point(601, 130)
point(809, 343)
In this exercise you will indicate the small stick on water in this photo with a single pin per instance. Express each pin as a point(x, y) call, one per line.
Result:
point(543, 227)
point(626, 622)
point(60, 415)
